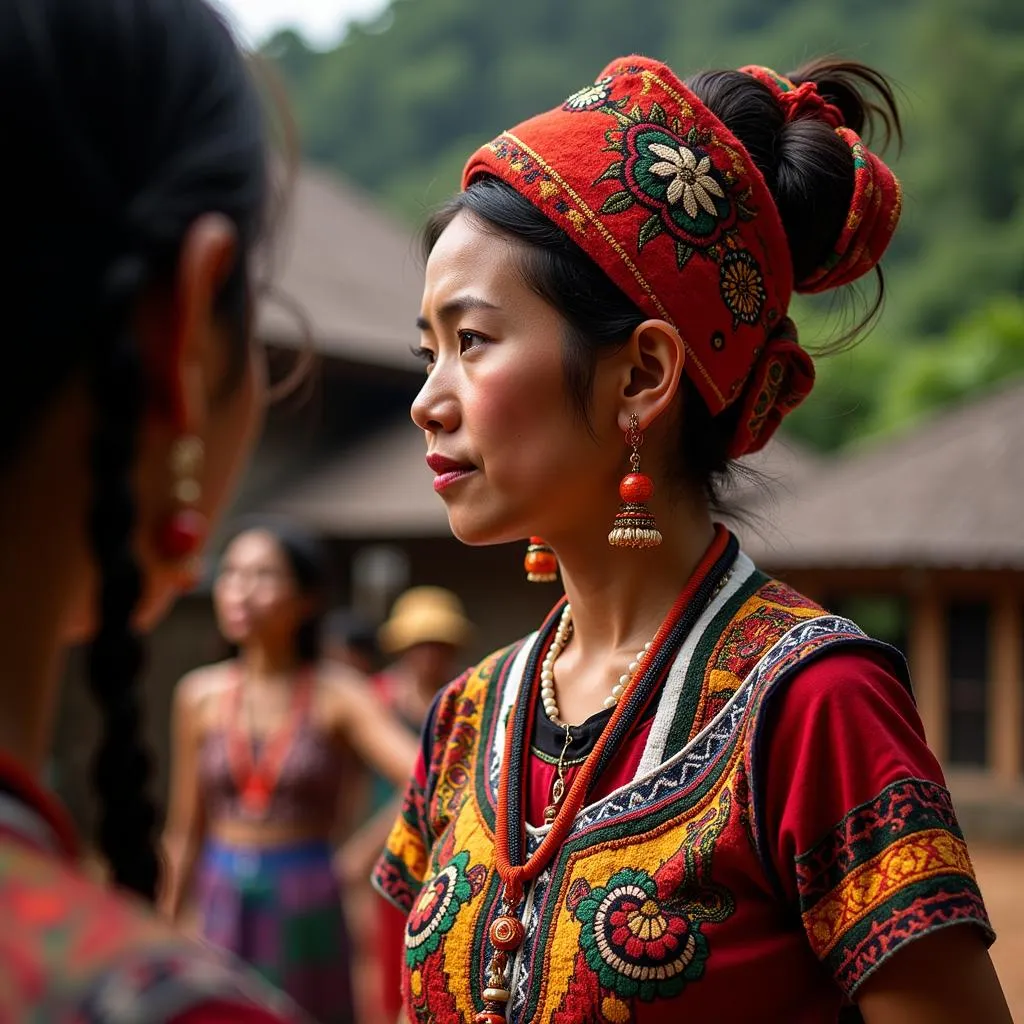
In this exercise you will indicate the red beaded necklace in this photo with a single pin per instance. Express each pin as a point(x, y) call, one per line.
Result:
point(507, 931)
point(256, 777)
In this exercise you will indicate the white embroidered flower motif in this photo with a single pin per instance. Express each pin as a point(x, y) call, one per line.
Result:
point(589, 97)
point(690, 179)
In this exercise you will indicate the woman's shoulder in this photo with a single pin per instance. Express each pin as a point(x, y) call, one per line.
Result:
point(106, 958)
point(202, 685)
point(763, 626)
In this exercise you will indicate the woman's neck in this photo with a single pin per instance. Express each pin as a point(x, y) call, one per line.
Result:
point(269, 663)
point(620, 596)
point(619, 599)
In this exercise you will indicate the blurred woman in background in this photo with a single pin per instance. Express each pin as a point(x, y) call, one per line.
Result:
point(262, 746)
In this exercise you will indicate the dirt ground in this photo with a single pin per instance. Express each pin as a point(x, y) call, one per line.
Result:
point(1001, 876)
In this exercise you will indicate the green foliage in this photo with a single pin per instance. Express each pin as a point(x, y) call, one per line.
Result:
point(400, 103)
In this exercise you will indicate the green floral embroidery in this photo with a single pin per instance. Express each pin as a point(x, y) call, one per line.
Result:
point(667, 169)
point(636, 945)
point(642, 934)
point(434, 912)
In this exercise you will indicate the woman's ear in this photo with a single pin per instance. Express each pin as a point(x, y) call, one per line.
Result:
point(179, 329)
point(654, 358)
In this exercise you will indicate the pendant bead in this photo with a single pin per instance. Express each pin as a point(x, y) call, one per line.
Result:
point(636, 488)
point(507, 933)
point(490, 1017)
point(183, 534)
point(256, 795)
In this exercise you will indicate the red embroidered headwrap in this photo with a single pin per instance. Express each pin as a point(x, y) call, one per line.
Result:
point(667, 201)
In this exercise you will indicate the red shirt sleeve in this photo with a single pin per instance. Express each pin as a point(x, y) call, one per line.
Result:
point(858, 823)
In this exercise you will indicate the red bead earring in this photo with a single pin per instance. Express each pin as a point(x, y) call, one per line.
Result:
point(635, 525)
point(185, 531)
point(541, 563)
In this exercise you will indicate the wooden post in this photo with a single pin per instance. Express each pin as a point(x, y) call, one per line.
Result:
point(1006, 686)
point(927, 656)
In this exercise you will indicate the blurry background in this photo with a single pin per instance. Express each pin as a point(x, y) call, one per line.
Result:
point(897, 489)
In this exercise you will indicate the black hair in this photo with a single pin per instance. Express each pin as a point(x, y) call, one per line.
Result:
point(309, 563)
point(809, 171)
point(126, 120)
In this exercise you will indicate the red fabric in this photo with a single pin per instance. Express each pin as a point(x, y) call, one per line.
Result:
point(390, 957)
point(796, 101)
point(541, 775)
point(877, 197)
point(841, 733)
point(221, 1013)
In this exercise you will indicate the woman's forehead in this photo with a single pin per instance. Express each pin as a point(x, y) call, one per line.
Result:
point(469, 254)
point(255, 545)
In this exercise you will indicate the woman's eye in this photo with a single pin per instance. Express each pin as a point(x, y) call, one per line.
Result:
point(424, 355)
point(470, 339)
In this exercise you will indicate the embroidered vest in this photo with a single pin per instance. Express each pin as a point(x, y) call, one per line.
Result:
point(657, 881)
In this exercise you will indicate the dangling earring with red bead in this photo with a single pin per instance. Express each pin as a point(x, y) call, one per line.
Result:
point(635, 526)
point(185, 531)
point(541, 563)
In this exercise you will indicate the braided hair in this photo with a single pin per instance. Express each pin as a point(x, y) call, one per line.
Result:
point(132, 118)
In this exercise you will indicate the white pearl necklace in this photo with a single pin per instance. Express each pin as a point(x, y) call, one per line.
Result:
point(547, 672)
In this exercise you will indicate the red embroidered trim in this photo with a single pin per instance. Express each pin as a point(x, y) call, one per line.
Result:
point(20, 782)
point(514, 877)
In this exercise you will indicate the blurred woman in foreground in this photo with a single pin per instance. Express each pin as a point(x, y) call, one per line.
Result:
point(136, 182)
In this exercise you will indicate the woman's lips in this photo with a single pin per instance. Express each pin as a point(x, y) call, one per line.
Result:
point(448, 471)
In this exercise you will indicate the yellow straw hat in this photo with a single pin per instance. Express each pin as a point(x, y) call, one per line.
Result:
point(425, 615)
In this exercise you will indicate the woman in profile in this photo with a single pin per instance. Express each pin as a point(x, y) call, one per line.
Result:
point(692, 794)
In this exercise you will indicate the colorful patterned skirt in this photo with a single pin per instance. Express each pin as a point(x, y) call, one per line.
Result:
point(280, 910)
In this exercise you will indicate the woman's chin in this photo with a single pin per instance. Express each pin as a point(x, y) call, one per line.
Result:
point(478, 531)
